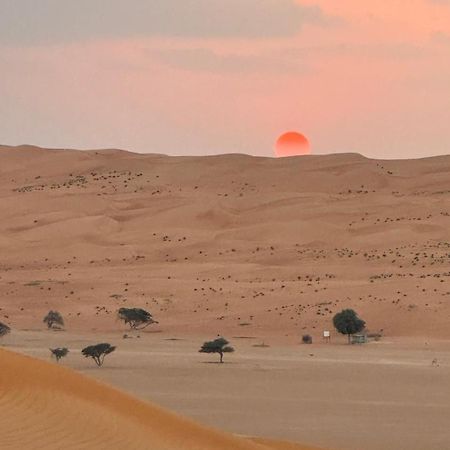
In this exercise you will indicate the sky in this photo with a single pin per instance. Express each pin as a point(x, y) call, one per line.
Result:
point(196, 77)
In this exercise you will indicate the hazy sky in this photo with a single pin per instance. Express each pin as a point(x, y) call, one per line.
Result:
point(220, 76)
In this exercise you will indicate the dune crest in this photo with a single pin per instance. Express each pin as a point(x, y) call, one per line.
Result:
point(46, 406)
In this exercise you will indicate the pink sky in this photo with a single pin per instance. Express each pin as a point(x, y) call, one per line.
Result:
point(357, 76)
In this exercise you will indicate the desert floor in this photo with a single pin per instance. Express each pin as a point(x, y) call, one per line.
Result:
point(384, 395)
point(48, 406)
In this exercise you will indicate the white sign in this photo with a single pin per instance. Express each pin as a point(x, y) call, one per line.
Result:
point(326, 334)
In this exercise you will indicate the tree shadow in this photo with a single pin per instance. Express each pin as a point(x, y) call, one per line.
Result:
point(216, 362)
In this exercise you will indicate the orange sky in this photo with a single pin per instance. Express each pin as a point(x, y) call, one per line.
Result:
point(358, 76)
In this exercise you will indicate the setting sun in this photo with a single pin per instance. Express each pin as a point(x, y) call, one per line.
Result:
point(292, 144)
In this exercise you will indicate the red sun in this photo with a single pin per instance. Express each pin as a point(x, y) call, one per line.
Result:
point(292, 144)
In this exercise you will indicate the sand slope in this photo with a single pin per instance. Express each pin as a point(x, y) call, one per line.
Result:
point(227, 244)
point(44, 406)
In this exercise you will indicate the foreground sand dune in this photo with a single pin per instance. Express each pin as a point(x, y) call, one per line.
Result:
point(44, 406)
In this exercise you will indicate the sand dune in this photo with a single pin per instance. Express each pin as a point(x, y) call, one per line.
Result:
point(48, 407)
point(227, 241)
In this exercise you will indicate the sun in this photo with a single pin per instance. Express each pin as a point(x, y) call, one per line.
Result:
point(292, 144)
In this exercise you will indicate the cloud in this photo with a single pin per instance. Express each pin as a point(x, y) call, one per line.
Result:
point(50, 21)
point(440, 38)
point(206, 60)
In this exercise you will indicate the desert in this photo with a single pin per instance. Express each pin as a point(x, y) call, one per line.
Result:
point(259, 250)
point(34, 394)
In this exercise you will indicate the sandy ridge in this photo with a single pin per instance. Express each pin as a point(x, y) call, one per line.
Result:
point(46, 406)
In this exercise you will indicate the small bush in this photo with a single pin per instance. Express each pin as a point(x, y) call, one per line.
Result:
point(307, 339)
point(4, 329)
point(59, 353)
point(54, 320)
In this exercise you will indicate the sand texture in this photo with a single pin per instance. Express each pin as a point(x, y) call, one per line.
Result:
point(48, 407)
point(225, 244)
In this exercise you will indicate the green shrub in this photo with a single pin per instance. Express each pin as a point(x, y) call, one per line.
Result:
point(98, 352)
point(54, 320)
point(347, 322)
point(219, 345)
point(136, 318)
point(59, 353)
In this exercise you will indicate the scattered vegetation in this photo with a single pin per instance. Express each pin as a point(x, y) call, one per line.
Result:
point(219, 345)
point(54, 320)
point(347, 322)
point(59, 353)
point(98, 352)
point(4, 329)
point(136, 318)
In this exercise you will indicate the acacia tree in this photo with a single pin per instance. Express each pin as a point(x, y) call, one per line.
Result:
point(4, 329)
point(59, 353)
point(136, 318)
point(54, 320)
point(347, 322)
point(98, 352)
point(219, 345)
